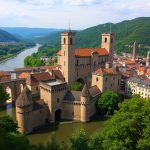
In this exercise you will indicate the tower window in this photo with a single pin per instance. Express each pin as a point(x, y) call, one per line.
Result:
point(70, 41)
point(64, 53)
point(64, 63)
point(57, 100)
point(64, 41)
point(111, 40)
point(97, 79)
point(105, 40)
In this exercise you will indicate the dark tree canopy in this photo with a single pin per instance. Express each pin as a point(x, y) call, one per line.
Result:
point(129, 128)
point(108, 102)
point(3, 95)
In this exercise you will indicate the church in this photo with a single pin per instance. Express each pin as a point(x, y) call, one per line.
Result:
point(48, 98)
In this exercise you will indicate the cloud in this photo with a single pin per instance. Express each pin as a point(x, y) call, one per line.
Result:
point(82, 13)
point(66, 2)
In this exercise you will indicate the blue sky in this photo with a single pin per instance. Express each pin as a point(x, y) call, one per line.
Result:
point(81, 13)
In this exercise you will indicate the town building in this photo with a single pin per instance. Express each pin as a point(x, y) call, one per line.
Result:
point(4, 76)
point(138, 85)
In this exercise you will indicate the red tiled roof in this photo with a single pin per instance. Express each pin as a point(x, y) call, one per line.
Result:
point(87, 52)
point(34, 79)
point(108, 71)
point(24, 75)
point(4, 73)
point(142, 69)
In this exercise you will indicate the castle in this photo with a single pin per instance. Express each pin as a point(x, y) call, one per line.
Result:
point(47, 97)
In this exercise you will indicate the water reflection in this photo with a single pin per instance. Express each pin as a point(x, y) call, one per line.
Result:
point(9, 110)
point(63, 131)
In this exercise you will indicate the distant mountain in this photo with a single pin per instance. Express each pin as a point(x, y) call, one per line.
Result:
point(7, 37)
point(126, 33)
point(29, 32)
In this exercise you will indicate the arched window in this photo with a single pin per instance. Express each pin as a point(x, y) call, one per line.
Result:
point(70, 41)
point(105, 40)
point(64, 41)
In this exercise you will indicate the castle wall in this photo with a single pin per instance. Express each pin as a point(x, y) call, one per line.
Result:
point(39, 117)
point(107, 82)
point(72, 110)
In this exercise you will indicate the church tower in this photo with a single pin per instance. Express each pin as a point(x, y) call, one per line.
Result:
point(68, 56)
point(148, 60)
point(134, 52)
point(108, 43)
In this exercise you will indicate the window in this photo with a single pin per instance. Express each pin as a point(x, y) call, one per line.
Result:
point(64, 63)
point(111, 40)
point(77, 74)
point(77, 61)
point(57, 100)
point(97, 79)
point(64, 41)
point(70, 41)
point(105, 40)
point(64, 53)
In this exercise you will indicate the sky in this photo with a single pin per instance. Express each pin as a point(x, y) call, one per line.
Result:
point(80, 13)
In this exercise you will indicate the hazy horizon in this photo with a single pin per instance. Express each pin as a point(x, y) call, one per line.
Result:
point(81, 13)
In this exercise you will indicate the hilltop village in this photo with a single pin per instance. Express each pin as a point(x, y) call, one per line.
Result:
point(46, 95)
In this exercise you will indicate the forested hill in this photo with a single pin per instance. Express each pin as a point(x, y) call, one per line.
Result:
point(126, 33)
point(7, 37)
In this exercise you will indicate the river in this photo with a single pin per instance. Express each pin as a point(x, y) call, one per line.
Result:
point(63, 131)
point(18, 60)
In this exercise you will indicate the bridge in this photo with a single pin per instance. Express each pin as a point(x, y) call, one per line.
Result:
point(15, 86)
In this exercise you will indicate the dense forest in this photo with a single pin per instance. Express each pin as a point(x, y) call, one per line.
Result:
point(126, 33)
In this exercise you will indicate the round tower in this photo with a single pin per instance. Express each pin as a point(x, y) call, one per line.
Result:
point(85, 101)
point(23, 111)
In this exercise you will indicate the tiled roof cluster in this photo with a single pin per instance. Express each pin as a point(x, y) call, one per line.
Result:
point(87, 52)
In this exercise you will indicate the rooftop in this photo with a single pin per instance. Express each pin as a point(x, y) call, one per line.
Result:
point(87, 52)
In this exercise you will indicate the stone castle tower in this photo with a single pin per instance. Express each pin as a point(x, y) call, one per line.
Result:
point(148, 60)
point(23, 111)
point(68, 56)
point(85, 100)
point(134, 52)
point(108, 43)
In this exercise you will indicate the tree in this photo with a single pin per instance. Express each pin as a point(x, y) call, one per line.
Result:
point(79, 140)
point(3, 95)
point(8, 124)
point(77, 86)
point(108, 102)
point(129, 128)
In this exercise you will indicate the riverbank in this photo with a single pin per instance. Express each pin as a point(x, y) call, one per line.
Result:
point(17, 60)
point(9, 56)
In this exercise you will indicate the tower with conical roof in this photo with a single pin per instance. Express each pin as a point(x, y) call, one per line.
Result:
point(85, 100)
point(148, 60)
point(23, 111)
point(134, 52)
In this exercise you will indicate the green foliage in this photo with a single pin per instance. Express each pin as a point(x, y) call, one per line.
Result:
point(3, 95)
point(77, 86)
point(34, 59)
point(8, 124)
point(108, 102)
point(79, 140)
point(129, 128)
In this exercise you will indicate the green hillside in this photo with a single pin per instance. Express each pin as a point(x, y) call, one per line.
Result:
point(126, 33)
point(7, 37)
